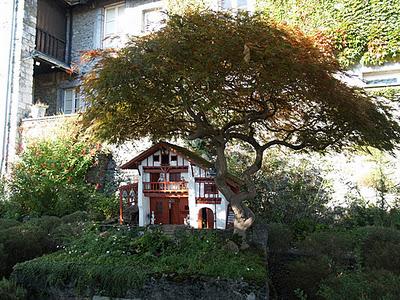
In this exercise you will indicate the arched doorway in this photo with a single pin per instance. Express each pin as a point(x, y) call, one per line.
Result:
point(205, 218)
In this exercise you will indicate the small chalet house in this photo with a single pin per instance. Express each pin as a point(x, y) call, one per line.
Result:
point(176, 186)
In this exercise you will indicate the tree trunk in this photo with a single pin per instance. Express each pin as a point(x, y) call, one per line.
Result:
point(244, 219)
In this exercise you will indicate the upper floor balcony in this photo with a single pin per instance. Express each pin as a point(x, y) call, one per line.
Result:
point(50, 45)
point(52, 30)
point(165, 187)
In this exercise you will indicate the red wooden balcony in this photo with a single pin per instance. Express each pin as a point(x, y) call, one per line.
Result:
point(165, 187)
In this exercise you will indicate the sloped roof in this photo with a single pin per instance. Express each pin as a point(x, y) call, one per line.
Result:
point(187, 154)
point(191, 156)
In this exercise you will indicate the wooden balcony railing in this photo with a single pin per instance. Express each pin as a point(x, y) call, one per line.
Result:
point(50, 45)
point(166, 186)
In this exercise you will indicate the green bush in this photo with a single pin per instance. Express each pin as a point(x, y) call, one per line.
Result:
point(280, 237)
point(10, 291)
point(112, 262)
point(7, 223)
point(22, 243)
point(307, 273)
point(292, 192)
point(50, 179)
point(78, 216)
point(359, 214)
point(34, 238)
point(380, 248)
point(339, 246)
point(376, 285)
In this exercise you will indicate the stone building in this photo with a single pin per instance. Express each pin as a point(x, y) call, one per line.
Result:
point(41, 63)
point(40, 59)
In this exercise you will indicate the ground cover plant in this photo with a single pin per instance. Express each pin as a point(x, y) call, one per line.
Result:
point(20, 241)
point(360, 263)
point(113, 261)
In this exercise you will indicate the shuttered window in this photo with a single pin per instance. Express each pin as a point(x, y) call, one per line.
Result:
point(71, 101)
point(153, 19)
point(113, 25)
point(235, 4)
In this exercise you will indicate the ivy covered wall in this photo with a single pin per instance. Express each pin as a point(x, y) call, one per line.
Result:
point(362, 31)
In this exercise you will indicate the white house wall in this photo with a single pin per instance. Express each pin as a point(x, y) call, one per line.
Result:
point(219, 210)
point(193, 218)
point(141, 205)
point(148, 162)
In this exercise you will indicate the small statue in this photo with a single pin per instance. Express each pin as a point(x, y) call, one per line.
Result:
point(152, 219)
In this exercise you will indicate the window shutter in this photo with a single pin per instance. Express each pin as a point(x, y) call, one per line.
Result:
point(69, 101)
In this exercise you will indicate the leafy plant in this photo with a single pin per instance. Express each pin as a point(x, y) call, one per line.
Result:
point(114, 261)
point(50, 178)
point(10, 291)
point(359, 31)
point(376, 285)
point(292, 191)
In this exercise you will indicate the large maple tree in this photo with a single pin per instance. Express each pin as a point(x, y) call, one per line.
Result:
point(226, 78)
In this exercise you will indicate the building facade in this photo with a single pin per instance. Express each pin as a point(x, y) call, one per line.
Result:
point(175, 186)
point(41, 63)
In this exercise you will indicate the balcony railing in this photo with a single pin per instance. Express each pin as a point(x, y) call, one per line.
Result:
point(166, 186)
point(50, 45)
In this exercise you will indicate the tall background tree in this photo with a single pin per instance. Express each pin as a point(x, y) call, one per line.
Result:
point(226, 78)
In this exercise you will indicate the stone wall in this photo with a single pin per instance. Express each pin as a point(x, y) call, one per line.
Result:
point(28, 45)
point(20, 72)
point(47, 89)
point(35, 129)
point(166, 288)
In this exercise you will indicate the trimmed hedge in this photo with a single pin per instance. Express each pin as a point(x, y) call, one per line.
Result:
point(361, 263)
point(111, 263)
point(10, 291)
point(378, 285)
point(24, 241)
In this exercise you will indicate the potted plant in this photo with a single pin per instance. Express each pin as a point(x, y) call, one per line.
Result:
point(38, 110)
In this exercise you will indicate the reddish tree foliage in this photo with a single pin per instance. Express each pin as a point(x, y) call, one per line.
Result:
point(220, 78)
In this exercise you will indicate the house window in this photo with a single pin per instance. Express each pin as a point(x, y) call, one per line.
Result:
point(164, 158)
point(174, 176)
point(210, 188)
point(71, 101)
point(174, 158)
point(153, 19)
point(156, 158)
point(235, 4)
point(113, 25)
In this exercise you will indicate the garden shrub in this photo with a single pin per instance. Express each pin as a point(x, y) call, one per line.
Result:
point(47, 223)
point(280, 237)
point(339, 246)
point(10, 291)
point(34, 238)
point(306, 274)
point(376, 285)
point(7, 223)
point(49, 178)
point(112, 262)
point(380, 248)
point(78, 216)
point(21, 243)
point(293, 192)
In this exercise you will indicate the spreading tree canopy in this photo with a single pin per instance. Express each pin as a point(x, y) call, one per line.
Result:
point(220, 78)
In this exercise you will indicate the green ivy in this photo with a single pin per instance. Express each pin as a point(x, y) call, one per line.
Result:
point(391, 93)
point(361, 31)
